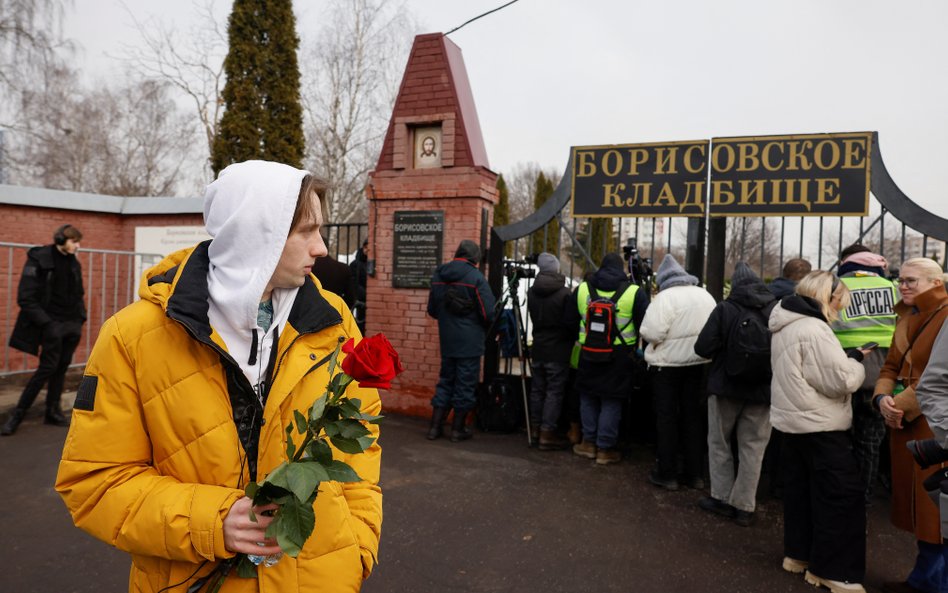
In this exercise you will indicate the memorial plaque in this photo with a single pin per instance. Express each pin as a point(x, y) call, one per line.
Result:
point(418, 237)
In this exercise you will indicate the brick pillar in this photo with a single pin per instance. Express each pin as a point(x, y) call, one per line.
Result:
point(435, 102)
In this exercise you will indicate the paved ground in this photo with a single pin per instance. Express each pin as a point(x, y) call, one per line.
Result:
point(488, 515)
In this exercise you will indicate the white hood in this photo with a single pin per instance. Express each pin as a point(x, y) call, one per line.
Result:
point(247, 212)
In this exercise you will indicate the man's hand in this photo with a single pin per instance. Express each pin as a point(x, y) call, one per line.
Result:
point(891, 414)
point(244, 536)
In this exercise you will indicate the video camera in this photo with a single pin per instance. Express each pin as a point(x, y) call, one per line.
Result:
point(640, 268)
point(515, 269)
point(927, 452)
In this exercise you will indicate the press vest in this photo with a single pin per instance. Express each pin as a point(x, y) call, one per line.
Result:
point(626, 329)
point(870, 316)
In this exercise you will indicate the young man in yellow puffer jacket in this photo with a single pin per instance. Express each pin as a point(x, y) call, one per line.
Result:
point(188, 391)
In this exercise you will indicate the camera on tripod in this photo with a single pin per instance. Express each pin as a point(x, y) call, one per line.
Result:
point(640, 268)
point(515, 269)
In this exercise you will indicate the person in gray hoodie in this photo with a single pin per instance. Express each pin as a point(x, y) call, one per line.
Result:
point(739, 394)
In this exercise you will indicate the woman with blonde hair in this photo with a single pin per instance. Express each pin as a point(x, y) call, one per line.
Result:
point(824, 514)
point(921, 312)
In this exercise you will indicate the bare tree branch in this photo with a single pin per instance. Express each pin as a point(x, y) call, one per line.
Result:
point(348, 94)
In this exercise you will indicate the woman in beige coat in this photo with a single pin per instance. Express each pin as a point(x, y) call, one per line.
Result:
point(824, 513)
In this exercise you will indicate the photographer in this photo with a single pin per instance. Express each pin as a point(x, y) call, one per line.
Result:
point(547, 301)
point(869, 319)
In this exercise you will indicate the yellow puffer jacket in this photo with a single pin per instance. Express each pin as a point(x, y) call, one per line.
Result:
point(153, 460)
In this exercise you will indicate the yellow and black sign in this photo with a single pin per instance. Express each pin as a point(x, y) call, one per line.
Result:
point(809, 175)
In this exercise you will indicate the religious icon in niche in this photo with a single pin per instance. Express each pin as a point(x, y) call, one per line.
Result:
point(427, 147)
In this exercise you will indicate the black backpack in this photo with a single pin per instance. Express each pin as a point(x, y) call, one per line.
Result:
point(747, 355)
point(457, 300)
point(601, 329)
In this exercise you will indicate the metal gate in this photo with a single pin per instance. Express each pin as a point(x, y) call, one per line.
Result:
point(110, 278)
point(895, 227)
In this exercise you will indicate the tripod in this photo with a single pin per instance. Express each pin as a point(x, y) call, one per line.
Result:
point(512, 296)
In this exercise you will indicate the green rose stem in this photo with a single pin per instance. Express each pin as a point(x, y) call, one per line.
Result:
point(313, 431)
point(315, 422)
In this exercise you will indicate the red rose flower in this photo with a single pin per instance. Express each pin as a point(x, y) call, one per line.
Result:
point(372, 362)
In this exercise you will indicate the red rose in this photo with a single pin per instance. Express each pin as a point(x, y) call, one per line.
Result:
point(372, 362)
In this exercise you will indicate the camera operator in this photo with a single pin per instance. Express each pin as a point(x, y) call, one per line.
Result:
point(640, 268)
point(548, 300)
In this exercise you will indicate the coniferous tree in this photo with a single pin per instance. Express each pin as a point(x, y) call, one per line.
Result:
point(502, 211)
point(263, 118)
point(602, 241)
point(544, 239)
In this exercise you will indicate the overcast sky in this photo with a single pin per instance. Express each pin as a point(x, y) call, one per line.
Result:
point(549, 74)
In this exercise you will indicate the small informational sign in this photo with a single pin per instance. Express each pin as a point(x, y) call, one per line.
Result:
point(418, 238)
point(155, 242)
point(802, 175)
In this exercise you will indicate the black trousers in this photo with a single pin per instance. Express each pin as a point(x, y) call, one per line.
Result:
point(59, 342)
point(679, 420)
point(824, 509)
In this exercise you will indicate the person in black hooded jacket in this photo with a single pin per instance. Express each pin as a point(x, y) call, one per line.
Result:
point(737, 403)
point(547, 301)
point(52, 311)
point(461, 300)
point(603, 386)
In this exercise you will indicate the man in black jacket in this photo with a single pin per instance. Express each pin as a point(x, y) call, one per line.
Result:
point(50, 321)
point(739, 388)
point(335, 276)
point(359, 268)
point(463, 304)
point(548, 301)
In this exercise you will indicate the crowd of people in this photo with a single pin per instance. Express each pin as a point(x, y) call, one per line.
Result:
point(812, 371)
point(809, 372)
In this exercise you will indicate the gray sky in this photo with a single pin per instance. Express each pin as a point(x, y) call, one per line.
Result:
point(549, 74)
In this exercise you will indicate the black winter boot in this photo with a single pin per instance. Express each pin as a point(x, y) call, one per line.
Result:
point(55, 417)
point(16, 416)
point(459, 429)
point(438, 416)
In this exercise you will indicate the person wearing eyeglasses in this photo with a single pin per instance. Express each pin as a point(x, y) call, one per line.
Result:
point(921, 312)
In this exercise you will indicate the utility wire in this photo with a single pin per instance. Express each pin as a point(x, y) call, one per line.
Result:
point(480, 16)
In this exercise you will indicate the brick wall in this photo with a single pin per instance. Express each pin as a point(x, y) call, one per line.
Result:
point(401, 313)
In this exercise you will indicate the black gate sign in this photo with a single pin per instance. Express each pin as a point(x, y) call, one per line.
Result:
point(803, 175)
point(418, 237)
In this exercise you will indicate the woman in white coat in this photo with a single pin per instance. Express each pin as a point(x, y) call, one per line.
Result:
point(824, 513)
point(671, 327)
